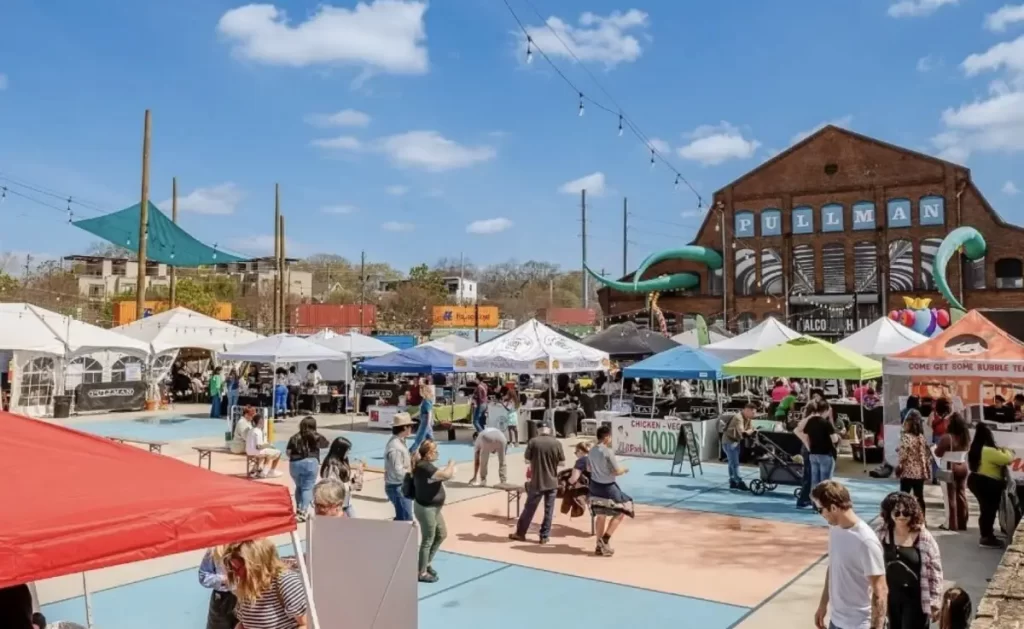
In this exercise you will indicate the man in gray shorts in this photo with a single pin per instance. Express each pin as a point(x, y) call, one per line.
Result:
point(489, 441)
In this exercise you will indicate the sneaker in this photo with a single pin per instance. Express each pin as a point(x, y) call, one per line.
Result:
point(544, 541)
point(991, 542)
point(603, 550)
point(301, 517)
point(475, 483)
point(428, 578)
point(732, 484)
point(516, 537)
point(431, 572)
point(803, 505)
point(740, 485)
point(272, 474)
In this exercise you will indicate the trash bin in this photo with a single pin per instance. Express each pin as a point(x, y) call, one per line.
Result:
point(61, 406)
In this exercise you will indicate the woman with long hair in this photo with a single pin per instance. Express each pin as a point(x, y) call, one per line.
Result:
point(336, 466)
point(913, 567)
point(425, 431)
point(510, 400)
point(915, 457)
point(270, 596)
point(987, 463)
point(428, 482)
point(212, 575)
point(956, 439)
point(303, 461)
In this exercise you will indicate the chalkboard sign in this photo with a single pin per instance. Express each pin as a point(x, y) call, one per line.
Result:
point(687, 447)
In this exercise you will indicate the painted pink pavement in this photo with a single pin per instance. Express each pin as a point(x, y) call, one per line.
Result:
point(727, 559)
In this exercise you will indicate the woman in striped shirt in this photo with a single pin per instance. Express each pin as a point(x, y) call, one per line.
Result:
point(270, 596)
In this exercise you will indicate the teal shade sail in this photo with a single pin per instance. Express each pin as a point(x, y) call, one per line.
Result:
point(166, 242)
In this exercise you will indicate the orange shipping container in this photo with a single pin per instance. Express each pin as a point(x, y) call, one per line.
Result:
point(465, 317)
point(567, 316)
point(124, 311)
point(311, 318)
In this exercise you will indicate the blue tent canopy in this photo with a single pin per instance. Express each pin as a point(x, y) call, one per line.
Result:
point(166, 242)
point(680, 363)
point(419, 359)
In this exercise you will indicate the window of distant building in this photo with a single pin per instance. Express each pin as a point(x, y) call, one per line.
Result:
point(865, 267)
point(771, 271)
point(745, 271)
point(833, 266)
point(804, 271)
point(974, 273)
point(929, 247)
point(1009, 273)
point(901, 266)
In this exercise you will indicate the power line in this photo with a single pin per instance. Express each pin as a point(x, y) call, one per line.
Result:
point(625, 122)
point(70, 199)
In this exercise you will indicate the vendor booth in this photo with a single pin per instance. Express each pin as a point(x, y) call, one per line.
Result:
point(353, 346)
point(882, 338)
point(179, 327)
point(639, 435)
point(423, 359)
point(691, 338)
point(969, 363)
point(453, 343)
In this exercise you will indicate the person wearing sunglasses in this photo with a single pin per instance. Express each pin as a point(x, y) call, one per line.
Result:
point(855, 586)
point(913, 567)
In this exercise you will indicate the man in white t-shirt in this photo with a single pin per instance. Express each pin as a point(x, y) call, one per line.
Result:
point(256, 445)
point(855, 582)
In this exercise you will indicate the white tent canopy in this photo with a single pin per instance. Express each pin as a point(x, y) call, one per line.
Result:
point(689, 338)
point(532, 348)
point(24, 327)
point(453, 344)
point(281, 348)
point(353, 344)
point(764, 335)
point(882, 338)
point(180, 327)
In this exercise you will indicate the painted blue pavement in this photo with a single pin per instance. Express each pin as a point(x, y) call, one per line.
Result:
point(157, 429)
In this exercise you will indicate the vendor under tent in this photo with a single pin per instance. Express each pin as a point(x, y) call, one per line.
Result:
point(969, 363)
point(353, 345)
point(882, 338)
point(765, 335)
point(47, 349)
point(124, 505)
point(626, 341)
point(691, 338)
point(179, 328)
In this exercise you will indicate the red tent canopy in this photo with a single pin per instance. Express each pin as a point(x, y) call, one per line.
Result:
point(74, 502)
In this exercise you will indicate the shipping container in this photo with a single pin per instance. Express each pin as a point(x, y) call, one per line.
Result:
point(400, 341)
point(466, 317)
point(567, 316)
point(124, 311)
point(311, 318)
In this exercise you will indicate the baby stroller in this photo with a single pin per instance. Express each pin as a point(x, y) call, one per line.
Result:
point(777, 467)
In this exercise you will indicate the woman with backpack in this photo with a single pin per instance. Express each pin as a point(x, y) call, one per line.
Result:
point(913, 567)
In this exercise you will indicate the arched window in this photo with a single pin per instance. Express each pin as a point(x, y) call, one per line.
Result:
point(833, 266)
point(745, 271)
point(901, 266)
point(162, 366)
point(865, 267)
point(929, 247)
point(745, 321)
point(1009, 273)
point(715, 281)
point(37, 383)
point(771, 271)
point(118, 373)
point(974, 273)
point(804, 270)
point(82, 370)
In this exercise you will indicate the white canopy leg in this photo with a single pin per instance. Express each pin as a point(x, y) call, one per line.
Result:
point(88, 601)
point(307, 582)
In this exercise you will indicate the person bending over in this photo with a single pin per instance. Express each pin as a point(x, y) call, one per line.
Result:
point(490, 441)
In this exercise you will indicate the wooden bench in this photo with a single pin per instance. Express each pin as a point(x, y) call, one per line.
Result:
point(154, 446)
point(513, 493)
point(252, 463)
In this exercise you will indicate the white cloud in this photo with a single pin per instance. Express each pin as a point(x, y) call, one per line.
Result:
point(917, 8)
point(395, 226)
point(1007, 15)
point(927, 63)
point(434, 193)
point(379, 36)
point(263, 245)
point(992, 124)
point(343, 118)
point(659, 145)
point(488, 226)
point(220, 199)
point(608, 40)
point(339, 209)
point(397, 191)
point(1010, 189)
point(3, 81)
point(593, 183)
point(343, 142)
point(843, 122)
point(432, 151)
point(713, 144)
point(1008, 55)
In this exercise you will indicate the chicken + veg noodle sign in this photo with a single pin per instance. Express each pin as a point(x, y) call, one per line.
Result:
point(638, 436)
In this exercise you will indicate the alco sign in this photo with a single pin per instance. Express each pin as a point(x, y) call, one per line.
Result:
point(833, 217)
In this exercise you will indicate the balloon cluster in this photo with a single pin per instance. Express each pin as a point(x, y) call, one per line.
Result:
point(920, 318)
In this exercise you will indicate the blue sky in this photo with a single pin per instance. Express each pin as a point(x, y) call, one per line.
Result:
point(416, 131)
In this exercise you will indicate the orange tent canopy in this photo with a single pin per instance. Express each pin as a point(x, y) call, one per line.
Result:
point(973, 346)
point(75, 502)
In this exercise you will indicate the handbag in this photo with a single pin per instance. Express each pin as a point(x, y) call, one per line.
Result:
point(408, 487)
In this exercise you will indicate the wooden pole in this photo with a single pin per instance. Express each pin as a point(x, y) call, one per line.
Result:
point(140, 286)
point(174, 219)
point(285, 288)
point(277, 258)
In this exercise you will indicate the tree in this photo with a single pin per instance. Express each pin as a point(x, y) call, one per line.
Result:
point(410, 307)
point(8, 287)
point(196, 296)
point(104, 249)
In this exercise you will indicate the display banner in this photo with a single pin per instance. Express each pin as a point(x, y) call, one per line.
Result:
point(111, 396)
point(990, 370)
point(380, 394)
point(638, 436)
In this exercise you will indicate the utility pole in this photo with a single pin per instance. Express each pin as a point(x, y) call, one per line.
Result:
point(174, 219)
point(277, 257)
point(583, 211)
point(362, 290)
point(476, 321)
point(283, 316)
point(625, 240)
point(140, 286)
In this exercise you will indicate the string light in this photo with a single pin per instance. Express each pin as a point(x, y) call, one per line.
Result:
point(529, 49)
point(675, 186)
point(652, 158)
point(581, 104)
point(620, 125)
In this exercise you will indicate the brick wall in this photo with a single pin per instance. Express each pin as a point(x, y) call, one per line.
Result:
point(1002, 607)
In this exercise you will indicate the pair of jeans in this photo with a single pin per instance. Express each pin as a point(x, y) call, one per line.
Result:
point(732, 455)
point(915, 487)
point(805, 484)
point(423, 432)
point(232, 399)
point(479, 418)
point(485, 458)
point(221, 614)
point(402, 505)
point(304, 473)
point(533, 499)
point(432, 532)
point(215, 401)
point(280, 400)
point(989, 492)
point(822, 466)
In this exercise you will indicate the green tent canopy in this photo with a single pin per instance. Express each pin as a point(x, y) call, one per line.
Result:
point(166, 243)
point(806, 357)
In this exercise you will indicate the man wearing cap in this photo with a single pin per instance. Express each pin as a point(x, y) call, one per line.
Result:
point(487, 442)
point(398, 463)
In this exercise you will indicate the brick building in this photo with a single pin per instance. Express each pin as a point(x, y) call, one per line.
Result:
point(832, 233)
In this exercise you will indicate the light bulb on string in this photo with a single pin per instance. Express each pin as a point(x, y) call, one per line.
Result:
point(676, 184)
point(581, 104)
point(529, 49)
point(652, 158)
point(620, 125)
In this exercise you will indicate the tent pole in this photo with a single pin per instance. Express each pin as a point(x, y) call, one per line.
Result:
point(350, 388)
point(307, 581)
point(654, 398)
point(88, 601)
point(309, 545)
point(863, 449)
